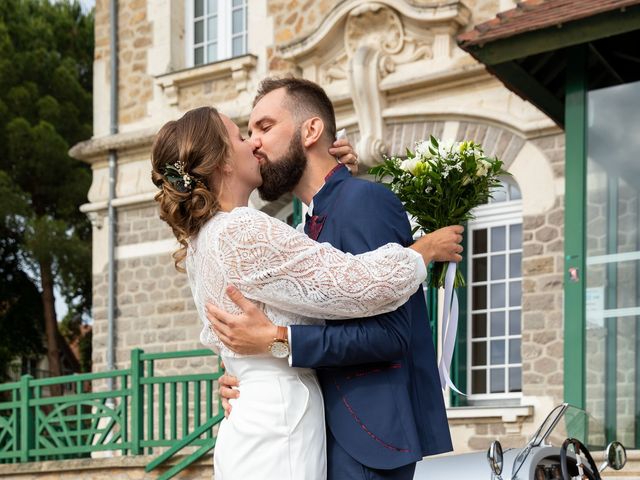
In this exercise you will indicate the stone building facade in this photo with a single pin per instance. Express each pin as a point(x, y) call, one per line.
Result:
point(395, 76)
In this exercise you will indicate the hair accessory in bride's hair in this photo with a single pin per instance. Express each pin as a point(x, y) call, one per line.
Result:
point(178, 177)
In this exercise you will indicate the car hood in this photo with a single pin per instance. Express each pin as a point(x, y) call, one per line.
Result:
point(470, 466)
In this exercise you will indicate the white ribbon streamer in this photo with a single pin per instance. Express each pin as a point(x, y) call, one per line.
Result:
point(449, 329)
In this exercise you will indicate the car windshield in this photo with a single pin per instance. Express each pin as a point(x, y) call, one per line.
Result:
point(564, 421)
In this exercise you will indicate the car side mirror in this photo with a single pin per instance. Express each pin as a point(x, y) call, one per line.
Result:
point(615, 456)
point(495, 457)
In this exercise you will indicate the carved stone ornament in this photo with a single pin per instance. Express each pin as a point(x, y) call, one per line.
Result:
point(380, 27)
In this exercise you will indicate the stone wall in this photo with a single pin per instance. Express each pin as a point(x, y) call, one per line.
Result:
point(543, 266)
point(135, 36)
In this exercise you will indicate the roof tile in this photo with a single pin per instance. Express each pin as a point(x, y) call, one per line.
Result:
point(532, 15)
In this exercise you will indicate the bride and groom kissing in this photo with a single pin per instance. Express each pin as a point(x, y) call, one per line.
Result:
point(325, 333)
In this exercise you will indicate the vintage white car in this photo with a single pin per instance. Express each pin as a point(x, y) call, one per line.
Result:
point(555, 452)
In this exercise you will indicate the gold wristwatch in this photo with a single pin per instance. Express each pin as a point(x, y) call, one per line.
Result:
point(279, 348)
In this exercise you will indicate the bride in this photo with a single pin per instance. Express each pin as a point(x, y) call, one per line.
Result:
point(206, 172)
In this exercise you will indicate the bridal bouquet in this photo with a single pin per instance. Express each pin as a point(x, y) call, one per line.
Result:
point(439, 184)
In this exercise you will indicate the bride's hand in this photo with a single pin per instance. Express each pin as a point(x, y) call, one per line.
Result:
point(343, 151)
point(225, 387)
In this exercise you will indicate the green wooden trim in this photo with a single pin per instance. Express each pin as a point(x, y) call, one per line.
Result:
point(575, 227)
point(611, 301)
point(203, 352)
point(137, 401)
point(527, 86)
point(78, 398)
point(26, 420)
point(208, 425)
point(555, 38)
point(195, 456)
point(37, 427)
point(459, 361)
point(181, 378)
point(297, 211)
point(637, 350)
point(432, 308)
point(42, 382)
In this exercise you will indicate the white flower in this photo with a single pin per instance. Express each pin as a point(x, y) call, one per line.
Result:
point(410, 164)
point(445, 147)
point(422, 150)
point(482, 168)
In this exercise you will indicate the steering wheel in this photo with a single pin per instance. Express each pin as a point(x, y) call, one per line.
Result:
point(581, 454)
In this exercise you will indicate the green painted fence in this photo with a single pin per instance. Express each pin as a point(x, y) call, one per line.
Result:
point(73, 416)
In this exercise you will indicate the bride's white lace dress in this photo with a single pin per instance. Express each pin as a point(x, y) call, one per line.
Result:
point(276, 429)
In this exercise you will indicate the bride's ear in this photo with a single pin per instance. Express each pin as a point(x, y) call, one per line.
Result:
point(312, 130)
point(226, 168)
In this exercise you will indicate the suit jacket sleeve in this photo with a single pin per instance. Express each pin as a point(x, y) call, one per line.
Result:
point(378, 220)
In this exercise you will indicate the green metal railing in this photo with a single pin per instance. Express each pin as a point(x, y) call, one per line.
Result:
point(73, 416)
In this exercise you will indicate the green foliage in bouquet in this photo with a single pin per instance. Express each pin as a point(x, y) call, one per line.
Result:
point(439, 184)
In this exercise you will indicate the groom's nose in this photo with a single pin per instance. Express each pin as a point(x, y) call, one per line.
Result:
point(255, 142)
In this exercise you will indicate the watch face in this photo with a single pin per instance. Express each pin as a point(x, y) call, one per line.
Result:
point(279, 349)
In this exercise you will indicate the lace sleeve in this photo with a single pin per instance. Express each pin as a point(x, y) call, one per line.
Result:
point(273, 263)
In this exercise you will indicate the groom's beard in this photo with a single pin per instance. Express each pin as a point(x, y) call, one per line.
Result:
point(280, 176)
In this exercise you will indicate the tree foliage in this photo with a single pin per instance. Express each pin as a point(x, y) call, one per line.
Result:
point(46, 56)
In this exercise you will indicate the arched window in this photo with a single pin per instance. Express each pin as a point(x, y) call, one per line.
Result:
point(494, 296)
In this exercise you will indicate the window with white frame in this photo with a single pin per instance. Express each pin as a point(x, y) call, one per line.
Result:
point(216, 30)
point(494, 278)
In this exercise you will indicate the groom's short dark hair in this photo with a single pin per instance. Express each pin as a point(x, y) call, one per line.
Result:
point(305, 99)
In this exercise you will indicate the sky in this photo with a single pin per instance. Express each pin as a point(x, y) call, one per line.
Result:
point(87, 4)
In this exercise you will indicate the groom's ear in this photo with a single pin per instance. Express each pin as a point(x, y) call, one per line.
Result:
point(312, 130)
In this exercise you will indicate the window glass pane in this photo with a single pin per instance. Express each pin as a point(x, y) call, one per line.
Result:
point(514, 351)
point(497, 267)
point(479, 353)
point(499, 194)
point(515, 293)
point(212, 7)
point(497, 324)
point(237, 21)
point(212, 28)
point(497, 352)
point(497, 380)
point(497, 295)
point(198, 8)
point(479, 300)
point(237, 46)
point(514, 322)
point(479, 325)
point(198, 56)
point(480, 241)
point(515, 379)
point(498, 240)
point(198, 32)
point(480, 269)
point(238, 3)
point(212, 52)
point(514, 192)
point(515, 265)
point(479, 381)
point(515, 236)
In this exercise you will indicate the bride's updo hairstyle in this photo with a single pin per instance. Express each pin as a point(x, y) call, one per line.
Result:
point(186, 156)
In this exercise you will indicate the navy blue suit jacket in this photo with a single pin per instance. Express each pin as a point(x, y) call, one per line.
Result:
point(383, 401)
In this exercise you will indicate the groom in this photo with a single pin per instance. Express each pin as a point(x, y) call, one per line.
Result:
point(383, 402)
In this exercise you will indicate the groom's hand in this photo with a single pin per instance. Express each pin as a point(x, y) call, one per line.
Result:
point(249, 333)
